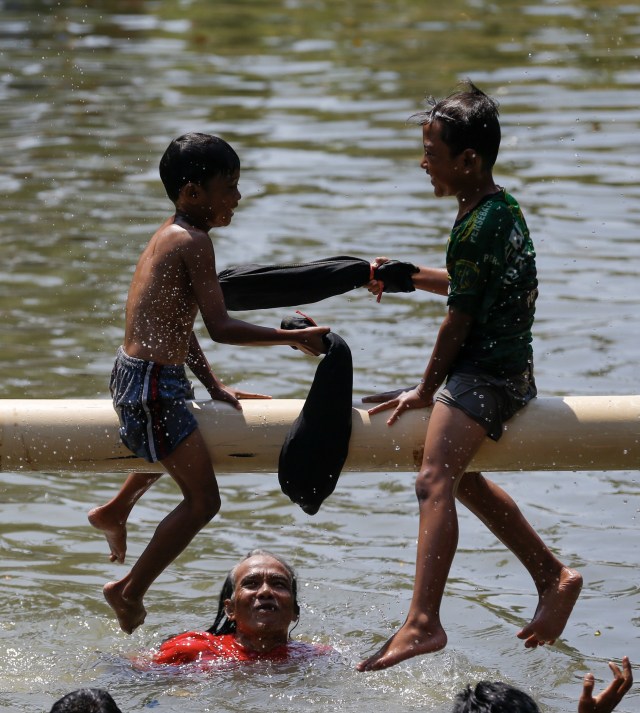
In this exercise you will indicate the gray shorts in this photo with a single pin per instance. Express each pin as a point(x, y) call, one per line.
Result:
point(150, 400)
point(488, 399)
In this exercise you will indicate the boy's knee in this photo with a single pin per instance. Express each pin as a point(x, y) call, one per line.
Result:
point(213, 505)
point(424, 488)
point(430, 483)
point(205, 508)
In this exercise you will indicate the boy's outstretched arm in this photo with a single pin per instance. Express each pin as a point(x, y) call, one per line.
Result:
point(199, 260)
point(199, 365)
point(606, 701)
point(432, 279)
point(429, 279)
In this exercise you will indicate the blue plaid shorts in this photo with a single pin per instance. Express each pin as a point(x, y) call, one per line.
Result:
point(150, 400)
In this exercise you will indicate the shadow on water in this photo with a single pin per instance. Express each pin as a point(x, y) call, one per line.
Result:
point(315, 97)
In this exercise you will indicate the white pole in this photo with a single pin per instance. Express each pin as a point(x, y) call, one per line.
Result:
point(553, 433)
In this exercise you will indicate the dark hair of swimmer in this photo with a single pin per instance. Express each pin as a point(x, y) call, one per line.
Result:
point(86, 700)
point(494, 697)
point(222, 625)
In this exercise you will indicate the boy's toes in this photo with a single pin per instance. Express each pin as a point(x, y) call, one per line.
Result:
point(531, 639)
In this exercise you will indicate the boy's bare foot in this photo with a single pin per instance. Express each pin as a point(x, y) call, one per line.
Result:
point(130, 612)
point(407, 642)
point(115, 532)
point(555, 605)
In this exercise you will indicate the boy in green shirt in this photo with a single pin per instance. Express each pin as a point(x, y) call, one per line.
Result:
point(483, 352)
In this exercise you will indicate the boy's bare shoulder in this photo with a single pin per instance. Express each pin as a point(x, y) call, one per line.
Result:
point(174, 239)
point(175, 233)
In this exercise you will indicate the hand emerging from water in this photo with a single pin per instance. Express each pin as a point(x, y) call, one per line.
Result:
point(606, 701)
point(399, 400)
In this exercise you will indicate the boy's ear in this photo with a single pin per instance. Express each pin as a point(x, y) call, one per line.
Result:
point(190, 191)
point(471, 159)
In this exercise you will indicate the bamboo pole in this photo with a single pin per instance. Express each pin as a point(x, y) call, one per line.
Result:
point(554, 433)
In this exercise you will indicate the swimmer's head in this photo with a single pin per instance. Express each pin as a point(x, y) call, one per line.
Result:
point(195, 158)
point(86, 700)
point(494, 697)
point(226, 624)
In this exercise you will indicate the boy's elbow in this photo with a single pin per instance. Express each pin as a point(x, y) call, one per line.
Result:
point(220, 333)
point(220, 338)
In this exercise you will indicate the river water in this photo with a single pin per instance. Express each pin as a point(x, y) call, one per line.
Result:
point(315, 97)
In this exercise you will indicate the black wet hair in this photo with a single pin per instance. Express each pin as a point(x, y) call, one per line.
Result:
point(468, 120)
point(222, 624)
point(86, 700)
point(494, 697)
point(195, 158)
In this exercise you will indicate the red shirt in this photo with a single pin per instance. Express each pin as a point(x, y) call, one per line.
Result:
point(203, 647)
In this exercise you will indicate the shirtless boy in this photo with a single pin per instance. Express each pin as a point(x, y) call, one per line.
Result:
point(483, 351)
point(174, 279)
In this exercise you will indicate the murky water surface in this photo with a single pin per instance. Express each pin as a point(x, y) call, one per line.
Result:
point(315, 97)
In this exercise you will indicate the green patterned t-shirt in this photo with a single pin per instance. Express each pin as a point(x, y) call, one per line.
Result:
point(492, 277)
